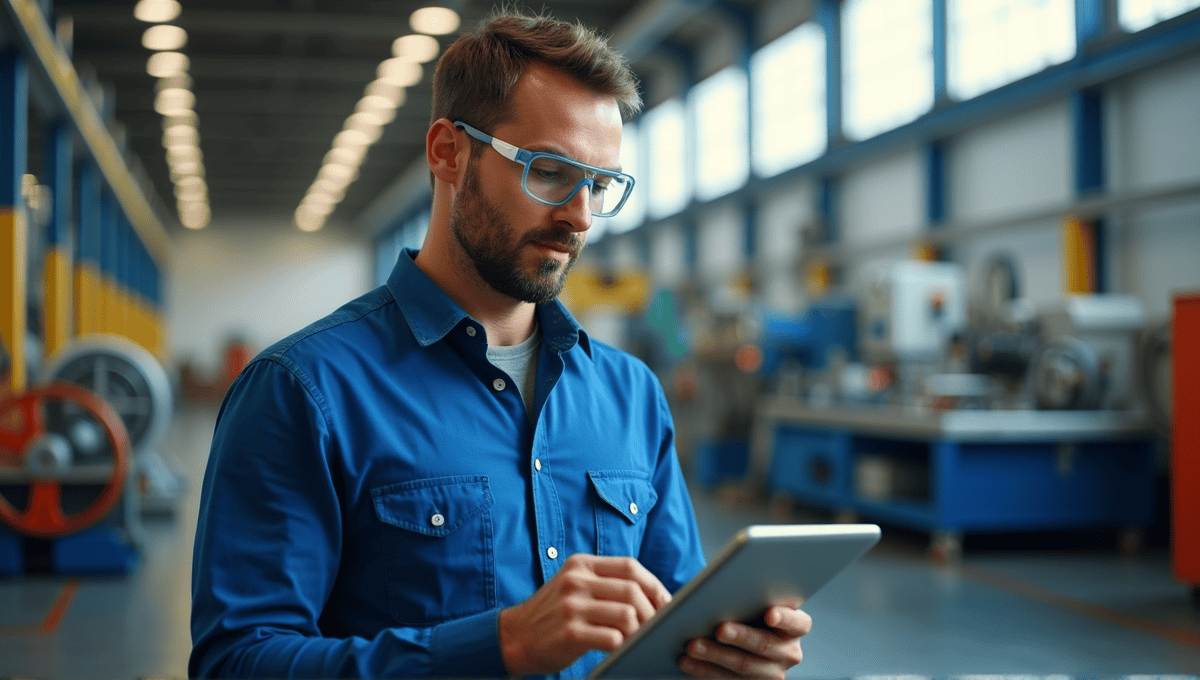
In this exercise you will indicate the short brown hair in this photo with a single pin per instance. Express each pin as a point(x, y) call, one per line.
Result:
point(476, 75)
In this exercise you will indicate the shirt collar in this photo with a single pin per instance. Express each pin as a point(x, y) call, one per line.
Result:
point(431, 314)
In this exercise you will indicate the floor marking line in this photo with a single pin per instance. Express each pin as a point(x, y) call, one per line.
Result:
point(56, 613)
point(1056, 599)
point(53, 617)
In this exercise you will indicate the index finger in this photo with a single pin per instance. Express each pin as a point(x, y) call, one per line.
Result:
point(630, 569)
point(788, 622)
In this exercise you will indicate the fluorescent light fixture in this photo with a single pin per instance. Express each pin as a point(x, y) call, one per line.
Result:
point(400, 72)
point(344, 155)
point(307, 221)
point(393, 93)
point(434, 20)
point(380, 107)
point(183, 154)
point(164, 37)
point(194, 215)
point(156, 11)
point(180, 135)
point(167, 64)
point(174, 101)
point(335, 172)
point(365, 123)
point(416, 47)
point(351, 139)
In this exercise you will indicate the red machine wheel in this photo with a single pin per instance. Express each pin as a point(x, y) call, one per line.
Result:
point(43, 515)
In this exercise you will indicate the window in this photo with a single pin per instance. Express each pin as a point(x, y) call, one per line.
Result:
point(990, 43)
point(720, 109)
point(887, 64)
point(668, 179)
point(788, 109)
point(1134, 15)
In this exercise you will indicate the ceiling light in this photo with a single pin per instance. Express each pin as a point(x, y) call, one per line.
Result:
point(177, 135)
point(337, 173)
point(380, 107)
point(156, 11)
point(190, 181)
point(167, 64)
point(416, 47)
point(183, 154)
point(365, 123)
point(352, 139)
point(434, 20)
point(194, 215)
point(381, 88)
point(344, 155)
point(174, 101)
point(377, 117)
point(400, 72)
point(307, 221)
point(164, 37)
point(188, 118)
point(318, 204)
point(182, 168)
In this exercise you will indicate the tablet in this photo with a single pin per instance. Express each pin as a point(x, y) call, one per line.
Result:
point(759, 567)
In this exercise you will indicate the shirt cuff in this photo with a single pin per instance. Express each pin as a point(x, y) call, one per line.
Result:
point(468, 647)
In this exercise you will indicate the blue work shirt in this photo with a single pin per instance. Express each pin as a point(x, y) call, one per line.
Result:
point(377, 491)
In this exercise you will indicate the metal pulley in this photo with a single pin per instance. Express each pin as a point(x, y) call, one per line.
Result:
point(123, 374)
point(55, 435)
point(1066, 374)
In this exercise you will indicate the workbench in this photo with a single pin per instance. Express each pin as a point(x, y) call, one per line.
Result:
point(956, 472)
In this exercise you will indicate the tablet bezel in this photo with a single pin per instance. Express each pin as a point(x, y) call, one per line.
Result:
point(791, 586)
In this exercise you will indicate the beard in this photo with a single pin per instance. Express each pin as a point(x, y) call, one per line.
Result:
point(495, 250)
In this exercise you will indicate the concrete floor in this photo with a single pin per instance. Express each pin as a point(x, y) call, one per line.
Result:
point(1022, 610)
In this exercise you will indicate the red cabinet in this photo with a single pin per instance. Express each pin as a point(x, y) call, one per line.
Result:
point(1185, 442)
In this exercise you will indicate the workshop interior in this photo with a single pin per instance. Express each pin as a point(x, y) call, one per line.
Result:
point(928, 264)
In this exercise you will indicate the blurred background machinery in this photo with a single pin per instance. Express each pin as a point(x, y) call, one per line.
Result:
point(78, 460)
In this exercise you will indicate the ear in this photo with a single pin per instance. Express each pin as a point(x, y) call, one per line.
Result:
point(447, 151)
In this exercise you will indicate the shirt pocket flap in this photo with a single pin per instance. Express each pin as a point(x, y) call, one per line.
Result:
point(434, 507)
point(629, 493)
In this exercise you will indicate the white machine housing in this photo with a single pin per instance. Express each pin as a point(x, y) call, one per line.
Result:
point(911, 309)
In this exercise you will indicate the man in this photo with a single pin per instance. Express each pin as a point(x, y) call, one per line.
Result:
point(447, 476)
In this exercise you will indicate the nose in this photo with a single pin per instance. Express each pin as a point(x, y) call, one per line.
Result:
point(576, 213)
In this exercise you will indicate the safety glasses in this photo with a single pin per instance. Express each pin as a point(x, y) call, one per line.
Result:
point(554, 180)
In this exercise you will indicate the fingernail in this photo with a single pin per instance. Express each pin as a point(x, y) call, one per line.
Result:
point(701, 648)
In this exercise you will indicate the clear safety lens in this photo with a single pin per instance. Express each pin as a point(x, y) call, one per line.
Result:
point(554, 180)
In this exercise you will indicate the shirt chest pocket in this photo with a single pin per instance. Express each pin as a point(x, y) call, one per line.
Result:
point(623, 499)
point(437, 547)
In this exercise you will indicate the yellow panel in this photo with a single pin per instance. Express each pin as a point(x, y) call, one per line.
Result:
point(57, 301)
point(587, 288)
point(1077, 256)
point(12, 293)
point(87, 299)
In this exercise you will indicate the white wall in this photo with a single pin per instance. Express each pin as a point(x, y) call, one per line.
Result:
point(1013, 166)
point(1155, 135)
point(882, 200)
point(258, 282)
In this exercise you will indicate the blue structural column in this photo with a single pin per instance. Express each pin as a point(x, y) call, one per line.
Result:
point(57, 312)
point(829, 15)
point(14, 112)
point(87, 250)
point(1087, 107)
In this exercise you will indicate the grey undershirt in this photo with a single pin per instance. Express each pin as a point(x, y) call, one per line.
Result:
point(520, 363)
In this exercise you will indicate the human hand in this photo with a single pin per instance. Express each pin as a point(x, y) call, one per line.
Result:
point(740, 650)
point(591, 603)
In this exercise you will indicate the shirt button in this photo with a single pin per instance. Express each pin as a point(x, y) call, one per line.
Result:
point(552, 553)
point(498, 383)
point(537, 463)
point(437, 520)
point(471, 331)
point(633, 508)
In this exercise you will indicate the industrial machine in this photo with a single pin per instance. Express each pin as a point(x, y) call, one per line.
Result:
point(78, 460)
